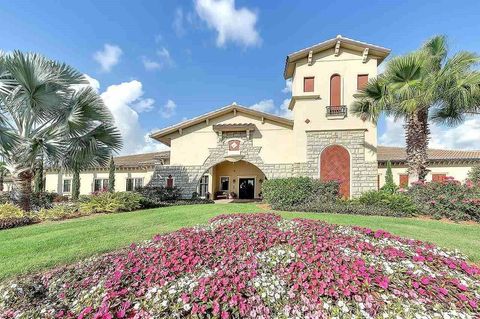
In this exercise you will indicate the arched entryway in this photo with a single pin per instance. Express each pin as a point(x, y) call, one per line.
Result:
point(335, 165)
point(227, 179)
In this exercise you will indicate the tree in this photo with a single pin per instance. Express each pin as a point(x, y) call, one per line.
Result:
point(95, 148)
point(44, 113)
point(38, 181)
point(3, 171)
point(422, 86)
point(111, 175)
point(474, 174)
point(390, 185)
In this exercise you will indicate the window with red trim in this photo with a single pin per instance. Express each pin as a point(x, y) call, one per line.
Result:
point(438, 177)
point(308, 84)
point(362, 80)
point(403, 180)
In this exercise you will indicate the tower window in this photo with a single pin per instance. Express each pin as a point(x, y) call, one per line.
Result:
point(362, 80)
point(308, 84)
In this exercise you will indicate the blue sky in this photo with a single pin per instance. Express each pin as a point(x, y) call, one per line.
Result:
point(158, 62)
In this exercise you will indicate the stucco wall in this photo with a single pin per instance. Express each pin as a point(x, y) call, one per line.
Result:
point(235, 171)
point(348, 64)
point(192, 146)
point(459, 172)
point(54, 180)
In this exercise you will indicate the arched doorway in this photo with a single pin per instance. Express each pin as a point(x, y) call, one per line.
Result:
point(335, 165)
point(230, 180)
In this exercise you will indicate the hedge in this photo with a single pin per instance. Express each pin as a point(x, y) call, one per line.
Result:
point(288, 193)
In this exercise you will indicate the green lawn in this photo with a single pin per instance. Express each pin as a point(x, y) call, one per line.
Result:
point(31, 248)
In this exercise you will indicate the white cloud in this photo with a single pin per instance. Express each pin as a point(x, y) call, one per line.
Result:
point(93, 83)
point(177, 23)
point(268, 106)
point(168, 109)
point(232, 24)
point(165, 57)
point(158, 38)
point(122, 99)
point(108, 57)
point(150, 65)
point(164, 60)
point(264, 106)
point(284, 111)
point(288, 86)
point(144, 105)
point(463, 136)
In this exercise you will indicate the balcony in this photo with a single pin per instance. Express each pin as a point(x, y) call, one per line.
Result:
point(339, 111)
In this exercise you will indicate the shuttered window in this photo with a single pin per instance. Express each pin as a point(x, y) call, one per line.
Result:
point(335, 90)
point(403, 180)
point(308, 84)
point(438, 177)
point(362, 80)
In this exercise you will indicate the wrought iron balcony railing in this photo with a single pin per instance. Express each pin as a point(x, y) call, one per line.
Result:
point(340, 110)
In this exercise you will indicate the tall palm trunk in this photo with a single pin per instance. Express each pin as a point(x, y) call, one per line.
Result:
point(417, 135)
point(1, 181)
point(76, 184)
point(22, 189)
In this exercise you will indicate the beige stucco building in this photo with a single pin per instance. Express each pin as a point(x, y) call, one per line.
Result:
point(232, 150)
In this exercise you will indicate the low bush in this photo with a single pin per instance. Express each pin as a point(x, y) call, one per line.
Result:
point(289, 193)
point(447, 199)
point(12, 216)
point(154, 196)
point(60, 212)
point(353, 207)
point(106, 202)
point(395, 202)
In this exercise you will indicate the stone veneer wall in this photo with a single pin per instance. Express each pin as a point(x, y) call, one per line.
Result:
point(363, 174)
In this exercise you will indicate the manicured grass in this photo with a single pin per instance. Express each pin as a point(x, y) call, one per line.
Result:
point(32, 248)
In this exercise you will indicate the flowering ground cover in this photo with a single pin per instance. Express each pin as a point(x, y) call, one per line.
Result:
point(256, 266)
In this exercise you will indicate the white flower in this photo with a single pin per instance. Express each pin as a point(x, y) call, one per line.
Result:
point(164, 303)
point(186, 307)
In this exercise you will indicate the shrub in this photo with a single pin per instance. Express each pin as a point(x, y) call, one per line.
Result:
point(13, 216)
point(474, 174)
point(353, 207)
point(10, 211)
point(390, 185)
point(106, 202)
point(59, 212)
point(447, 199)
point(395, 202)
point(155, 196)
point(288, 193)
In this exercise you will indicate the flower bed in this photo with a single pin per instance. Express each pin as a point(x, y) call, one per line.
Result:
point(254, 266)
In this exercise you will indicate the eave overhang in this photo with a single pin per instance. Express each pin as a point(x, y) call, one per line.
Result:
point(374, 51)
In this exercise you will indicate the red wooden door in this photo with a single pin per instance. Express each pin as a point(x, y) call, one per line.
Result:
point(335, 90)
point(335, 165)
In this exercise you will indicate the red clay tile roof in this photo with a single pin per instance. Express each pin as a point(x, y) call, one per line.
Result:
point(146, 159)
point(398, 154)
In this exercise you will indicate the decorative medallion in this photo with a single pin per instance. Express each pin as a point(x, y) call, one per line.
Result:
point(234, 145)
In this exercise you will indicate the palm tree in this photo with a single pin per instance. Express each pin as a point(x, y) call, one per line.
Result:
point(3, 171)
point(421, 86)
point(40, 116)
point(94, 147)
